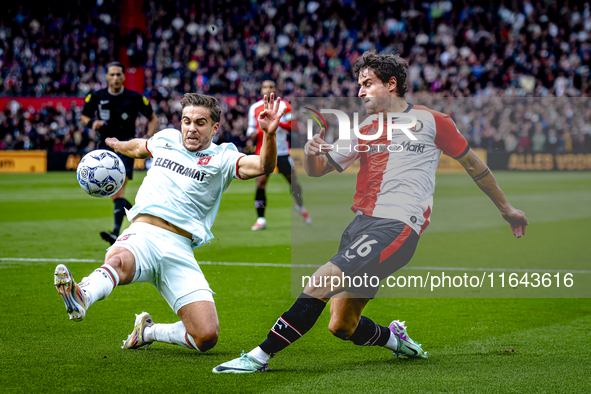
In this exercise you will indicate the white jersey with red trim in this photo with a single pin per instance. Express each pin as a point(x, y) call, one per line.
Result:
point(396, 179)
point(185, 188)
point(282, 130)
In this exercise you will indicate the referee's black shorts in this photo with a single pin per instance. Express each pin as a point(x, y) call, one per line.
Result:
point(285, 165)
point(374, 247)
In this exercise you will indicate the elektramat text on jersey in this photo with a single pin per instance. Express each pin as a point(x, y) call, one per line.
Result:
point(194, 173)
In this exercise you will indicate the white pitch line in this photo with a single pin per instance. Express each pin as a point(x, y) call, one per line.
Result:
point(34, 260)
point(40, 260)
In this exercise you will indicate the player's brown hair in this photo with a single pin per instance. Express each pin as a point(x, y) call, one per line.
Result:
point(385, 65)
point(201, 100)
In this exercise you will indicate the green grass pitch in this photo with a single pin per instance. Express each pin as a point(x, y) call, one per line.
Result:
point(474, 344)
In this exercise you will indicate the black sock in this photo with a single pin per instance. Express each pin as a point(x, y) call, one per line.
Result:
point(127, 204)
point(369, 333)
point(293, 324)
point(119, 214)
point(260, 202)
point(296, 192)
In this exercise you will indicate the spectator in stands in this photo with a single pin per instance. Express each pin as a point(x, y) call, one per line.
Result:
point(538, 140)
point(454, 49)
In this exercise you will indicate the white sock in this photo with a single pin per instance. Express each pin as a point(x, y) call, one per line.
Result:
point(392, 342)
point(99, 284)
point(148, 334)
point(175, 334)
point(262, 220)
point(258, 354)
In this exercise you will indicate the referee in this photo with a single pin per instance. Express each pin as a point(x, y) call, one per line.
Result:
point(112, 112)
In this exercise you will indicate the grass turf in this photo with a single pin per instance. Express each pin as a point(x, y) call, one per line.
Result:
point(475, 345)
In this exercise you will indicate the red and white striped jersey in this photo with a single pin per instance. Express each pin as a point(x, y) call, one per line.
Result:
point(281, 134)
point(396, 179)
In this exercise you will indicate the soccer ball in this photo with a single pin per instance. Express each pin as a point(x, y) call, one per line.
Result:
point(101, 173)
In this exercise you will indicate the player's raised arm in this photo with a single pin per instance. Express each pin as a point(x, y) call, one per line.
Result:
point(135, 148)
point(485, 180)
point(265, 162)
point(315, 161)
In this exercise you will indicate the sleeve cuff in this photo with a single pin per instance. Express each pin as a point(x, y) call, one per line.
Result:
point(238, 161)
point(464, 153)
point(334, 163)
point(150, 153)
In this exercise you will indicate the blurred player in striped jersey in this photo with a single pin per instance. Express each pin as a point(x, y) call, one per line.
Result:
point(392, 205)
point(284, 161)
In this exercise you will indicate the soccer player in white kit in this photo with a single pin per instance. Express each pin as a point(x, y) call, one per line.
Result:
point(393, 204)
point(175, 208)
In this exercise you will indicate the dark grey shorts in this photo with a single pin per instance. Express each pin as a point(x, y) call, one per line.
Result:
point(374, 247)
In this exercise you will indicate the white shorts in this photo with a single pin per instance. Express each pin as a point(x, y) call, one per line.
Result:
point(166, 260)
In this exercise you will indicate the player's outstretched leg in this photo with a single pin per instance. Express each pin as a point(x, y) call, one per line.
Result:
point(244, 364)
point(405, 346)
point(394, 337)
point(198, 329)
point(74, 297)
point(347, 323)
point(136, 340)
point(145, 332)
point(294, 323)
point(79, 297)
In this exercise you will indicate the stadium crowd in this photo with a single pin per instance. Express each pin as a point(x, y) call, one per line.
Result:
point(225, 48)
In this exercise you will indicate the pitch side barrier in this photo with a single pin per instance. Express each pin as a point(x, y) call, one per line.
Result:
point(540, 161)
point(68, 161)
point(385, 154)
point(40, 161)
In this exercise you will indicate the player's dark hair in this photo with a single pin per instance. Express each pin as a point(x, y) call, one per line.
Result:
point(116, 64)
point(201, 100)
point(385, 65)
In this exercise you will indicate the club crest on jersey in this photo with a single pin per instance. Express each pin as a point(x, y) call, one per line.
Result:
point(418, 127)
point(204, 160)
